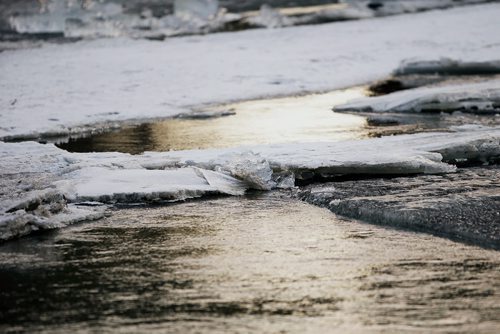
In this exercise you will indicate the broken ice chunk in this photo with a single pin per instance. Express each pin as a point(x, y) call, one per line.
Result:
point(477, 97)
point(251, 168)
point(269, 18)
point(139, 185)
point(202, 9)
point(447, 66)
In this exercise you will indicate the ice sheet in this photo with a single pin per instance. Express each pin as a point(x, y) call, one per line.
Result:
point(61, 89)
point(141, 185)
point(477, 97)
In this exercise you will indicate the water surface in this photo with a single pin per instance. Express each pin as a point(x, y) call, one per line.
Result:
point(257, 264)
point(267, 121)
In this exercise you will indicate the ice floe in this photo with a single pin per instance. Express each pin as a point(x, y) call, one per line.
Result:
point(448, 66)
point(476, 97)
point(69, 179)
point(141, 185)
point(43, 210)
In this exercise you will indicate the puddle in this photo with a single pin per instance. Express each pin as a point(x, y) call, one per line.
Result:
point(291, 119)
point(256, 264)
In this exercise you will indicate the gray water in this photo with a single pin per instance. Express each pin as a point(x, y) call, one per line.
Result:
point(257, 264)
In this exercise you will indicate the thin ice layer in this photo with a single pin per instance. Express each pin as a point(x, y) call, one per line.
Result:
point(406, 154)
point(447, 66)
point(477, 97)
point(44, 210)
point(141, 185)
point(462, 205)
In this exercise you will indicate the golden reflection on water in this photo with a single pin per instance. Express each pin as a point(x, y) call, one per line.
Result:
point(278, 120)
point(289, 119)
point(262, 263)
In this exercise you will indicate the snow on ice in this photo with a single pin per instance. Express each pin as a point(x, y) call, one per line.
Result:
point(477, 97)
point(173, 176)
point(122, 80)
point(447, 66)
point(37, 92)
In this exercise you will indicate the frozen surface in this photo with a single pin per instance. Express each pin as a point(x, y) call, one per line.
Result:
point(405, 154)
point(476, 97)
point(205, 9)
point(124, 79)
point(20, 223)
point(142, 185)
point(154, 19)
point(447, 66)
point(463, 205)
point(39, 180)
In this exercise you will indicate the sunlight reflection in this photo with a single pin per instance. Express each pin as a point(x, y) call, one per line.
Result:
point(288, 119)
point(267, 121)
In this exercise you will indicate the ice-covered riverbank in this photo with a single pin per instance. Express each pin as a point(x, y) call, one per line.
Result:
point(65, 180)
point(214, 238)
point(61, 89)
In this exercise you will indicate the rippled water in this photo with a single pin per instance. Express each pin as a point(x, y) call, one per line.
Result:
point(260, 264)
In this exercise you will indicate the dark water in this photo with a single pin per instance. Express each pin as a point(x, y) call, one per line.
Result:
point(259, 264)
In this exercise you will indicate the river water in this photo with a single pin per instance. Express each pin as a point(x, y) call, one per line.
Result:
point(305, 118)
point(263, 263)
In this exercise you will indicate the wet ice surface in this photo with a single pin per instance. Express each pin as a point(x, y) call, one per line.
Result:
point(296, 119)
point(477, 97)
point(252, 264)
point(290, 119)
point(463, 205)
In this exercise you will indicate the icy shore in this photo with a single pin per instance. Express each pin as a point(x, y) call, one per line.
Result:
point(44, 187)
point(438, 204)
point(477, 97)
point(64, 89)
point(65, 180)
point(159, 20)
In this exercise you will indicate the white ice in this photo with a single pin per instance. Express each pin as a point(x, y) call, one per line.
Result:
point(158, 176)
point(204, 9)
point(68, 88)
point(476, 97)
point(141, 185)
